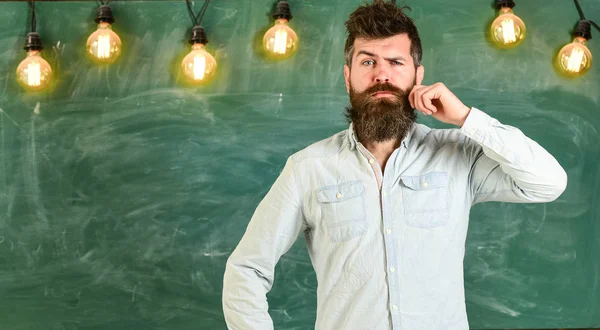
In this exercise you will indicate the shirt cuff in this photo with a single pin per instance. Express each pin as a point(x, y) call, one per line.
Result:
point(476, 125)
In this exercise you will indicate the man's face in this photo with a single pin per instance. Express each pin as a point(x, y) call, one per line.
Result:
point(381, 77)
point(382, 60)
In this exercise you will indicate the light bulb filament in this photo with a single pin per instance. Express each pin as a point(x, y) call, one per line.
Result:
point(34, 74)
point(280, 44)
point(199, 67)
point(574, 64)
point(508, 31)
point(103, 46)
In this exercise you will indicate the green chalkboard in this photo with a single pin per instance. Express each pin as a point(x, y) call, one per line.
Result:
point(123, 192)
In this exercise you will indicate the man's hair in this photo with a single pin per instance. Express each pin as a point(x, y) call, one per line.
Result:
point(381, 20)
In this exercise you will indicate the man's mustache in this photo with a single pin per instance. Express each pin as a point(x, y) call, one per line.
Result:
point(384, 87)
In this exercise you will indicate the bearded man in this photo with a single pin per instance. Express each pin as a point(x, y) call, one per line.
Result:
point(384, 205)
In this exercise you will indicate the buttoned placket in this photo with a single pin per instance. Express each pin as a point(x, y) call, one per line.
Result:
point(390, 244)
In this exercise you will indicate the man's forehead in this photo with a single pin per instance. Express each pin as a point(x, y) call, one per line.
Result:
point(399, 43)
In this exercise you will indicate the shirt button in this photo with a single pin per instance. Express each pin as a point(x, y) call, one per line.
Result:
point(371, 161)
point(425, 184)
point(395, 307)
point(392, 269)
point(339, 195)
point(384, 194)
point(388, 231)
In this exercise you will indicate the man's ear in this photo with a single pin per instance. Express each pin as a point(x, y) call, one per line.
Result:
point(419, 74)
point(347, 77)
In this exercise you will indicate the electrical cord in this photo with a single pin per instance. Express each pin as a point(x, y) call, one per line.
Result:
point(197, 19)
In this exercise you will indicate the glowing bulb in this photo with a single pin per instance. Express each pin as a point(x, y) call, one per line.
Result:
point(34, 73)
point(507, 30)
point(575, 59)
point(104, 44)
point(280, 41)
point(199, 66)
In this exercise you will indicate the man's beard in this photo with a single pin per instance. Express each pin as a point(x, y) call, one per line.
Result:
point(380, 119)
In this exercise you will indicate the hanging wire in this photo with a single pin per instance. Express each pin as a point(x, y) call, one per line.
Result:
point(197, 19)
point(191, 11)
point(104, 3)
point(201, 16)
point(33, 20)
point(582, 15)
point(579, 10)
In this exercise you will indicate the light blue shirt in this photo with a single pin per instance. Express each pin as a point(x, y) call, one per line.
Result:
point(387, 248)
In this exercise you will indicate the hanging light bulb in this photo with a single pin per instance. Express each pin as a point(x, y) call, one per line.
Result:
point(280, 41)
point(507, 30)
point(199, 66)
point(104, 45)
point(575, 59)
point(34, 73)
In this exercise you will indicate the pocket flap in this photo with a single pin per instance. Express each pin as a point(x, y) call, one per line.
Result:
point(340, 192)
point(432, 180)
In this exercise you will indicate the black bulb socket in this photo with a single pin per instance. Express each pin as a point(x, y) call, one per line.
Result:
point(104, 15)
point(283, 11)
point(504, 3)
point(33, 42)
point(198, 36)
point(583, 29)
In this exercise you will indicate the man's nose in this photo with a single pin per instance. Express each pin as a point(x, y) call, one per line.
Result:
point(382, 75)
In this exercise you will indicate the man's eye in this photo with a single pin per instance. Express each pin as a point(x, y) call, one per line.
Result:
point(368, 62)
point(397, 63)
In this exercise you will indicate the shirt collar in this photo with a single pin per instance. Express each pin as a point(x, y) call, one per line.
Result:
point(352, 140)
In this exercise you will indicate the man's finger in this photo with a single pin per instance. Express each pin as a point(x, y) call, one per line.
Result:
point(417, 99)
point(428, 95)
point(411, 95)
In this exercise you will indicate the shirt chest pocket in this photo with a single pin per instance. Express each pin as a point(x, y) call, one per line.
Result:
point(343, 210)
point(426, 199)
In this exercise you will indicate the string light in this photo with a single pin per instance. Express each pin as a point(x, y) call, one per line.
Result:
point(199, 66)
point(104, 45)
point(507, 30)
point(34, 73)
point(280, 41)
point(575, 59)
